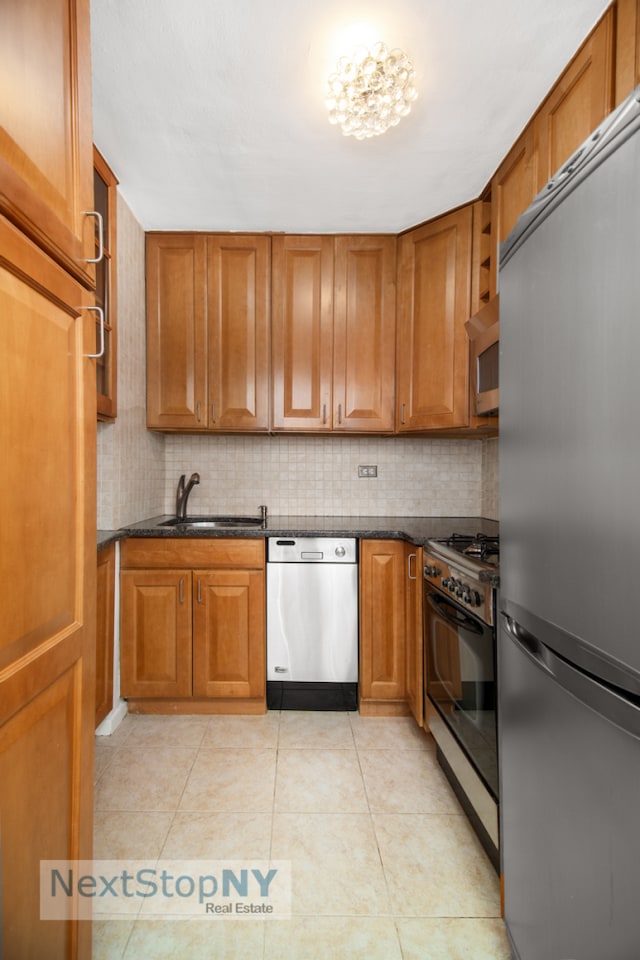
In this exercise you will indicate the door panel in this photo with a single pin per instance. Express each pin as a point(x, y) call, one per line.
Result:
point(433, 349)
point(176, 332)
point(302, 332)
point(228, 628)
point(156, 633)
point(364, 334)
point(238, 286)
point(47, 588)
point(45, 137)
point(578, 103)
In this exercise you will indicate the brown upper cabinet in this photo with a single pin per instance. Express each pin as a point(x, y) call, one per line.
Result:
point(105, 202)
point(208, 332)
point(46, 132)
point(627, 75)
point(512, 187)
point(364, 334)
point(434, 269)
point(579, 101)
point(333, 333)
point(238, 303)
point(302, 332)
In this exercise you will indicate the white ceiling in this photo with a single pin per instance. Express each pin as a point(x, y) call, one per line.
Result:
point(211, 112)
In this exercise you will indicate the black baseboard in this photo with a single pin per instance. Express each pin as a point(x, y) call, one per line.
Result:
point(292, 695)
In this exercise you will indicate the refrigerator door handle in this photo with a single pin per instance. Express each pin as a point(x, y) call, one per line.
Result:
point(612, 704)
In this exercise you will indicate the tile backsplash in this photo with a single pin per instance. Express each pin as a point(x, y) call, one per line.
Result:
point(297, 476)
point(138, 470)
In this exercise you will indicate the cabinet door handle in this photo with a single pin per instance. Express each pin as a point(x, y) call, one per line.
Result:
point(402, 409)
point(199, 591)
point(100, 313)
point(181, 592)
point(324, 413)
point(340, 413)
point(412, 556)
point(98, 216)
point(198, 411)
point(213, 413)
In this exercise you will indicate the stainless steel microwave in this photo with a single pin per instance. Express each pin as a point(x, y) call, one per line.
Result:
point(483, 330)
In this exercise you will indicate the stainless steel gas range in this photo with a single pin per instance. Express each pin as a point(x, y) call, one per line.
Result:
point(461, 576)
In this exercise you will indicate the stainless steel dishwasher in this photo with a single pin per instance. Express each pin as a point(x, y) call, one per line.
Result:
point(312, 623)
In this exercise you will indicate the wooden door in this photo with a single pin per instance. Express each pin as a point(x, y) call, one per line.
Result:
point(382, 684)
point(46, 172)
point(238, 292)
point(229, 653)
point(579, 101)
point(155, 633)
point(414, 633)
point(105, 589)
point(176, 332)
point(47, 589)
point(302, 332)
point(433, 305)
point(512, 188)
point(364, 334)
point(627, 47)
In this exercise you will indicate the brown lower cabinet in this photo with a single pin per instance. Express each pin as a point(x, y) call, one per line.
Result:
point(105, 589)
point(192, 633)
point(391, 659)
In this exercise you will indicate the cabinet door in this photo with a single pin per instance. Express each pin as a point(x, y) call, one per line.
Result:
point(432, 345)
point(45, 137)
point(105, 589)
point(229, 656)
point(105, 197)
point(382, 626)
point(47, 588)
point(414, 635)
point(579, 101)
point(302, 332)
point(627, 48)
point(238, 288)
point(155, 633)
point(176, 332)
point(364, 334)
point(512, 189)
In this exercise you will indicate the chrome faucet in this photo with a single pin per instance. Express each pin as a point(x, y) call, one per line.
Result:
point(182, 494)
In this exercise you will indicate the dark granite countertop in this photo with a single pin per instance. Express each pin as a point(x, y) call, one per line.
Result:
point(414, 529)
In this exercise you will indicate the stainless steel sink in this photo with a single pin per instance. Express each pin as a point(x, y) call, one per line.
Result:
point(212, 522)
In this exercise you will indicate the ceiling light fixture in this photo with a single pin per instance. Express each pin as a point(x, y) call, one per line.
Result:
point(371, 91)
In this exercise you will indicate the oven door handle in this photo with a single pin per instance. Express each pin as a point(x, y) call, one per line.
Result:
point(452, 614)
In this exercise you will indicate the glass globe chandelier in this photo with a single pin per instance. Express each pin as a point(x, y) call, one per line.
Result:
point(371, 91)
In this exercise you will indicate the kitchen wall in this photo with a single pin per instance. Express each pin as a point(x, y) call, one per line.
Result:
point(138, 470)
point(319, 475)
point(490, 479)
point(130, 458)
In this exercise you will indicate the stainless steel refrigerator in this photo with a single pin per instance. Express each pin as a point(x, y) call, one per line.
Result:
point(569, 640)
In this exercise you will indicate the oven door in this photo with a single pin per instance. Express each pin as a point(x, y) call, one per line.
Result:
point(460, 672)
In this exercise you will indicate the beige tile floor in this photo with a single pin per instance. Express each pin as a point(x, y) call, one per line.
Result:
point(384, 863)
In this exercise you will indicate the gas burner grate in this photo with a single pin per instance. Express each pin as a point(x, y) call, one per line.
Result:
point(481, 546)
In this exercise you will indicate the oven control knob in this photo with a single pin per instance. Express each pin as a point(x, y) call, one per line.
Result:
point(467, 596)
point(477, 599)
point(460, 589)
point(432, 571)
point(453, 583)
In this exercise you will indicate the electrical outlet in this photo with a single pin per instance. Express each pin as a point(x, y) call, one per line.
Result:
point(367, 471)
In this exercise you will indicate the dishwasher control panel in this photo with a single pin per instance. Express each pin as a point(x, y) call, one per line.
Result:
point(312, 550)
